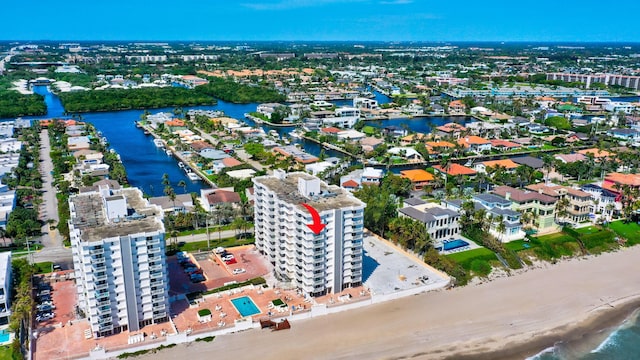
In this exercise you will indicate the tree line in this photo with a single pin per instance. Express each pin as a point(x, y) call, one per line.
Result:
point(231, 91)
point(13, 104)
point(124, 99)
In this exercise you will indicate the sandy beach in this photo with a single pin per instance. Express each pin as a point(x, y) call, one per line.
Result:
point(508, 318)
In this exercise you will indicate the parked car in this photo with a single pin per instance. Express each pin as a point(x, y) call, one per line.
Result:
point(44, 298)
point(239, 271)
point(191, 270)
point(227, 257)
point(44, 292)
point(196, 278)
point(45, 302)
point(44, 316)
point(46, 307)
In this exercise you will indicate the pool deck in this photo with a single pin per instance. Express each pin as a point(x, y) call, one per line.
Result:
point(472, 245)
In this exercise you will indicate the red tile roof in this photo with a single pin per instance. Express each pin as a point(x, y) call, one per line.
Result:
point(350, 184)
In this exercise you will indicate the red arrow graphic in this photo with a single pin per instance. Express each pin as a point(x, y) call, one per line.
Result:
point(317, 225)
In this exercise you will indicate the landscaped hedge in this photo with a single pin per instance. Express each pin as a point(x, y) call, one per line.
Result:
point(255, 281)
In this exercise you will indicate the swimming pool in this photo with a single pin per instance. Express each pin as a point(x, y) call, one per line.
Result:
point(458, 243)
point(4, 336)
point(245, 306)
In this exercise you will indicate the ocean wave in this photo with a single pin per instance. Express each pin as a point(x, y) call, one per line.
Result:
point(546, 354)
point(614, 338)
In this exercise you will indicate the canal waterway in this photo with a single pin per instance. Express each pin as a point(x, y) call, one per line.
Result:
point(146, 164)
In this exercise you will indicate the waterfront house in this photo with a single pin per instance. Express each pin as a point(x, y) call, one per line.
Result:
point(579, 205)
point(504, 145)
point(475, 144)
point(413, 138)
point(78, 143)
point(330, 131)
point(452, 130)
point(453, 169)
point(370, 143)
point(359, 177)
point(437, 109)
point(456, 107)
point(629, 135)
point(543, 207)
point(604, 202)
point(598, 154)
point(213, 154)
point(394, 131)
point(529, 161)
point(183, 203)
point(440, 223)
point(407, 153)
point(615, 181)
point(419, 178)
point(351, 135)
point(212, 199)
point(488, 166)
point(298, 155)
point(569, 158)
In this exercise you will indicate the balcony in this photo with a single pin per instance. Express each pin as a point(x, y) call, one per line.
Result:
point(157, 292)
point(99, 277)
point(103, 303)
point(96, 252)
point(101, 286)
point(155, 268)
point(104, 310)
point(153, 250)
point(153, 242)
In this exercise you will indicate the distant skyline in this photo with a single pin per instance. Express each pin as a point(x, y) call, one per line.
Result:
point(322, 20)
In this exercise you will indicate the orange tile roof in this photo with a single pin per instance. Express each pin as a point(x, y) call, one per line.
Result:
point(505, 163)
point(417, 175)
point(174, 122)
point(331, 130)
point(595, 152)
point(456, 170)
point(457, 103)
point(440, 144)
point(451, 127)
point(412, 137)
point(350, 184)
point(504, 143)
point(624, 179)
point(473, 140)
point(231, 162)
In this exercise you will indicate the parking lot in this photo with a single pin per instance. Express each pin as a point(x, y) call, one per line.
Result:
point(247, 264)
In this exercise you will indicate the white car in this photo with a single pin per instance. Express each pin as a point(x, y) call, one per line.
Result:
point(239, 271)
point(227, 257)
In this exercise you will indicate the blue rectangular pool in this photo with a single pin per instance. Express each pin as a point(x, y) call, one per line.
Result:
point(4, 335)
point(450, 245)
point(245, 306)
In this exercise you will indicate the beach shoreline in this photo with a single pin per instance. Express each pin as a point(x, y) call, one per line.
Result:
point(511, 317)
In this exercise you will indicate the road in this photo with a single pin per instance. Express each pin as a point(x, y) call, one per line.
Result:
point(239, 152)
point(54, 249)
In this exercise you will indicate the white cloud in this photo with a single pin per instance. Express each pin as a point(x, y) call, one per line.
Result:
point(295, 4)
point(396, 2)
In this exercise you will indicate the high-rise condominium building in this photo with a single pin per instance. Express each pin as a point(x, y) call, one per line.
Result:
point(117, 239)
point(317, 264)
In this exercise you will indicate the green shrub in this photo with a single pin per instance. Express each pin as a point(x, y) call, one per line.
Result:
point(480, 267)
point(204, 312)
point(206, 339)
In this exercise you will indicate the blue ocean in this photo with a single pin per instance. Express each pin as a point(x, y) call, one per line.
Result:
point(623, 343)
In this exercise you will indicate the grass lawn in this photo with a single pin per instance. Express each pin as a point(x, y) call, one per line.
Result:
point(7, 354)
point(556, 238)
point(212, 230)
point(519, 245)
point(629, 231)
point(588, 230)
point(43, 267)
point(465, 257)
point(214, 243)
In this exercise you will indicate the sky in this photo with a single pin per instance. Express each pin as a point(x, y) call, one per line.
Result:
point(322, 20)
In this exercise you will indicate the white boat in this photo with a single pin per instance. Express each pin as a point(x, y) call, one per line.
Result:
point(181, 164)
point(274, 134)
point(168, 152)
point(295, 134)
point(158, 143)
point(193, 176)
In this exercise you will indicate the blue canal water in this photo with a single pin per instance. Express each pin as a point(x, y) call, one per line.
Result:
point(146, 164)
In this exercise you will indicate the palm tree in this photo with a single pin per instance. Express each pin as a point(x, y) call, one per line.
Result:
point(561, 208)
point(501, 228)
point(183, 185)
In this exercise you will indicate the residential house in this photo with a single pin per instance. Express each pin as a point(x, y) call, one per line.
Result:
point(456, 107)
point(543, 207)
point(7, 204)
point(475, 144)
point(183, 203)
point(370, 143)
point(440, 223)
point(452, 130)
point(359, 177)
point(529, 161)
point(419, 178)
point(629, 135)
point(579, 205)
point(394, 131)
point(504, 145)
point(487, 166)
point(290, 151)
point(598, 154)
point(407, 153)
point(569, 158)
point(453, 169)
point(211, 199)
point(604, 202)
point(615, 181)
point(213, 154)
